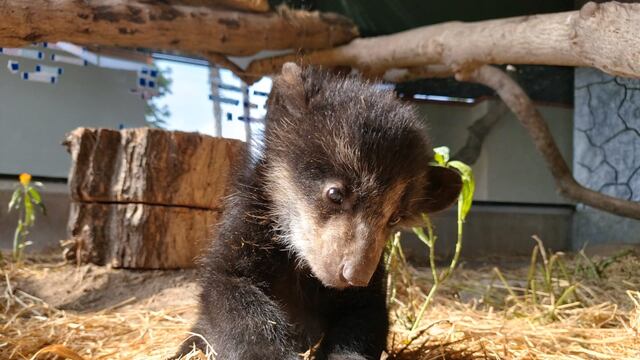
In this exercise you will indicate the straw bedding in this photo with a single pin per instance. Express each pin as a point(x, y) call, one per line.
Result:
point(589, 309)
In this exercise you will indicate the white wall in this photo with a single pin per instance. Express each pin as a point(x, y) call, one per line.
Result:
point(34, 117)
point(509, 168)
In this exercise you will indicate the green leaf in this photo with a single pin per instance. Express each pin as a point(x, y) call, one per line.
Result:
point(468, 186)
point(422, 236)
point(35, 195)
point(28, 212)
point(43, 209)
point(37, 199)
point(25, 244)
point(463, 169)
point(15, 199)
point(441, 155)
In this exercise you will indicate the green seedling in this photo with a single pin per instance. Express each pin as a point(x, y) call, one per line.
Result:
point(394, 248)
point(24, 199)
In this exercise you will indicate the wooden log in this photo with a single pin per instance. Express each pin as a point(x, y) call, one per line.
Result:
point(603, 36)
point(242, 5)
point(146, 198)
point(150, 166)
point(139, 236)
point(193, 30)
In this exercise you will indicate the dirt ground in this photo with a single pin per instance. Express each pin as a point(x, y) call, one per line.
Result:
point(90, 288)
point(98, 312)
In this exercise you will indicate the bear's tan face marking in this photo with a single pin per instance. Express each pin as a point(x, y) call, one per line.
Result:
point(341, 242)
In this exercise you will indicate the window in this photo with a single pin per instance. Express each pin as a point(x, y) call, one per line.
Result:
point(230, 103)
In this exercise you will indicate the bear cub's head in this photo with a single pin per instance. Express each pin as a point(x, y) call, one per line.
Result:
point(346, 163)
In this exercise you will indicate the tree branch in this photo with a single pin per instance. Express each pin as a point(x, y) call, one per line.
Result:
point(188, 29)
point(242, 5)
point(480, 128)
point(417, 72)
point(222, 61)
point(593, 36)
point(529, 116)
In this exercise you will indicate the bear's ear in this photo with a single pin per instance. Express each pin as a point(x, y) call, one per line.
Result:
point(288, 90)
point(442, 190)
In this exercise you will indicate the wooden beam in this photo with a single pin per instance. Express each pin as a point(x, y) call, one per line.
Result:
point(603, 36)
point(242, 5)
point(188, 29)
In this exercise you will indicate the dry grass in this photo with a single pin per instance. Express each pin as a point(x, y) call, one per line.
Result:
point(553, 308)
point(29, 325)
point(476, 315)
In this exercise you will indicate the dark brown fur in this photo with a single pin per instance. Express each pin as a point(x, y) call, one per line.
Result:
point(290, 268)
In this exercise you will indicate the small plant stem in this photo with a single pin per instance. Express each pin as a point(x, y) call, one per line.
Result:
point(506, 284)
point(16, 240)
point(392, 251)
point(437, 280)
point(25, 222)
point(392, 257)
point(591, 266)
point(424, 306)
point(549, 276)
point(547, 267)
point(429, 239)
point(432, 249)
point(458, 249)
point(568, 291)
point(562, 299)
point(531, 276)
point(564, 271)
point(534, 290)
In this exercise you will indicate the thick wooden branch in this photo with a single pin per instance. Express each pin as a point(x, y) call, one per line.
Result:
point(242, 5)
point(603, 36)
point(188, 29)
point(529, 116)
point(417, 72)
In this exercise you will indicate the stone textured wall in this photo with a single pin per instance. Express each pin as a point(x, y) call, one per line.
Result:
point(606, 152)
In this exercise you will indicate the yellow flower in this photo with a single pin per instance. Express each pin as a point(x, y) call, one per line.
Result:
point(25, 179)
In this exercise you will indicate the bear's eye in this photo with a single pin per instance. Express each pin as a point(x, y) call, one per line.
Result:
point(395, 219)
point(335, 195)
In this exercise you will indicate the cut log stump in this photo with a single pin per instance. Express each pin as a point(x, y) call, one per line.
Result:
point(146, 198)
point(150, 166)
point(139, 236)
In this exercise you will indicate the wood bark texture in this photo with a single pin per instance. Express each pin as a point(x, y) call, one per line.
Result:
point(139, 236)
point(151, 166)
point(194, 30)
point(243, 5)
point(146, 198)
point(521, 105)
point(603, 36)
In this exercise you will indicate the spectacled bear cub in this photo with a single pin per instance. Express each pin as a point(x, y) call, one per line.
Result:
point(297, 256)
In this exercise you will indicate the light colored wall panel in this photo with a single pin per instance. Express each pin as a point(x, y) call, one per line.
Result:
point(34, 117)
